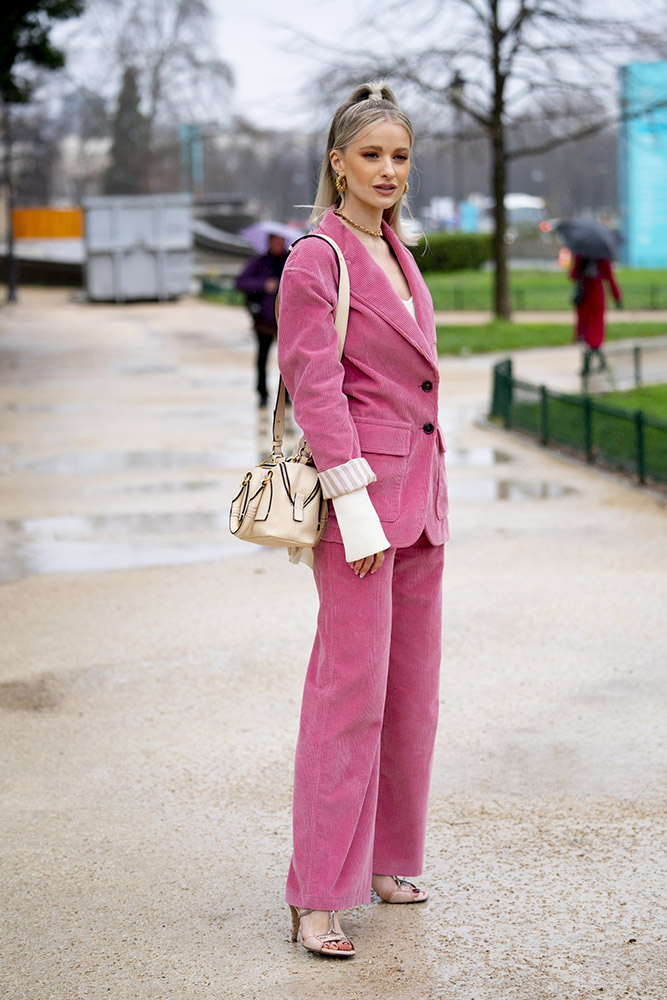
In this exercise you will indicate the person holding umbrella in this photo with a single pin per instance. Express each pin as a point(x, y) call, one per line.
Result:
point(259, 281)
point(594, 247)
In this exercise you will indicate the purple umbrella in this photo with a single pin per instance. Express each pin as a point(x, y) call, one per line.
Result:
point(258, 234)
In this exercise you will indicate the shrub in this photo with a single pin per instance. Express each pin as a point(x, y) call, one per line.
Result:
point(453, 251)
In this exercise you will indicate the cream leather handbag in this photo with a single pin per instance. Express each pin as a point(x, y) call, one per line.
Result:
point(280, 502)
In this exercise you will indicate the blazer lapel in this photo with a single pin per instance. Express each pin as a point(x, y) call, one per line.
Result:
point(420, 293)
point(370, 285)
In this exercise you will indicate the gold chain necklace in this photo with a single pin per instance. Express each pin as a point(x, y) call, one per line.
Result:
point(356, 224)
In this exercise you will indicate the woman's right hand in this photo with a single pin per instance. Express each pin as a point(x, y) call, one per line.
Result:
point(370, 564)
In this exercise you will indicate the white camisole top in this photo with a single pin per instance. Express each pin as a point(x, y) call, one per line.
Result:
point(410, 306)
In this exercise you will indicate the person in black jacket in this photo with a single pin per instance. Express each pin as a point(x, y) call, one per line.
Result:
point(259, 281)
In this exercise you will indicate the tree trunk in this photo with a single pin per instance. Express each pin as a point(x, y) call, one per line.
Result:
point(501, 299)
point(496, 129)
point(11, 268)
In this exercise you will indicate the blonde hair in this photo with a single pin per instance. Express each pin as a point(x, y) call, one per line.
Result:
point(368, 104)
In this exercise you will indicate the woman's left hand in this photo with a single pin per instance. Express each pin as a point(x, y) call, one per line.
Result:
point(370, 564)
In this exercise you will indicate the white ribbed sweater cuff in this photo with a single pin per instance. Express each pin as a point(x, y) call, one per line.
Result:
point(359, 525)
point(346, 478)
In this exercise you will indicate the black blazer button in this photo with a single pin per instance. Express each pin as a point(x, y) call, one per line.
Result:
point(427, 386)
point(428, 428)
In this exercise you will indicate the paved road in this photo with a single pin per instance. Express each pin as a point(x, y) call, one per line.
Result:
point(150, 675)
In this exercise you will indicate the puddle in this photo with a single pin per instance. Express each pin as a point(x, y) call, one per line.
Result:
point(146, 369)
point(213, 413)
point(108, 462)
point(251, 446)
point(101, 542)
point(227, 381)
point(506, 489)
point(80, 544)
point(475, 457)
point(186, 486)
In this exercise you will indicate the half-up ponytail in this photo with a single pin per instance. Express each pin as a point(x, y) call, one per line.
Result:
point(367, 105)
point(376, 90)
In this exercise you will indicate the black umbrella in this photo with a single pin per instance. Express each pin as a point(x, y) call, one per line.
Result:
point(589, 239)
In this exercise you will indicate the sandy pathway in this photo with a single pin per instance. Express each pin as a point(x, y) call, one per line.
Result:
point(148, 710)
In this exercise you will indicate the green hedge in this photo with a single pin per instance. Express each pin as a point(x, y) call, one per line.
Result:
point(453, 251)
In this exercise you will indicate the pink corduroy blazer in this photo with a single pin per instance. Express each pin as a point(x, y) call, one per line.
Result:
point(381, 402)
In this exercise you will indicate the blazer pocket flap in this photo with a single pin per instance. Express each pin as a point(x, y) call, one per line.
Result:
point(383, 438)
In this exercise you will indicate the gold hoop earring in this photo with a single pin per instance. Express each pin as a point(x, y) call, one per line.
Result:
point(406, 188)
point(341, 183)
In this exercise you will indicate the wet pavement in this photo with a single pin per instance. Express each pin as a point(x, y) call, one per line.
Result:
point(150, 677)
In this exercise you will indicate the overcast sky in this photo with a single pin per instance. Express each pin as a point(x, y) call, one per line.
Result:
point(264, 42)
point(268, 69)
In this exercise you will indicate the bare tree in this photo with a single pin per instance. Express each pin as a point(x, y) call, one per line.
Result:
point(167, 44)
point(528, 75)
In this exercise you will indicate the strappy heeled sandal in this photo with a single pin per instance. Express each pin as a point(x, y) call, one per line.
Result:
point(405, 892)
point(317, 942)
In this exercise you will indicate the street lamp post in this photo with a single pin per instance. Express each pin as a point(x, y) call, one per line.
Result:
point(457, 91)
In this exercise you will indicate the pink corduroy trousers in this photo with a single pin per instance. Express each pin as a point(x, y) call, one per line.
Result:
point(368, 723)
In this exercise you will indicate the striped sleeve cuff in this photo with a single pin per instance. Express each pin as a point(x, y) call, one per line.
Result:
point(346, 478)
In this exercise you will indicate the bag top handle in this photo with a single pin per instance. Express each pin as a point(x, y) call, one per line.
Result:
point(340, 322)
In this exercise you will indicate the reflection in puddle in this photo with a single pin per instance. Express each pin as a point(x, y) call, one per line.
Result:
point(174, 486)
point(109, 462)
point(101, 542)
point(228, 380)
point(146, 369)
point(506, 489)
point(479, 456)
point(79, 544)
point(239, 453)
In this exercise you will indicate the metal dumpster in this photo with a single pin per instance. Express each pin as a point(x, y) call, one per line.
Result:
point(138, 246)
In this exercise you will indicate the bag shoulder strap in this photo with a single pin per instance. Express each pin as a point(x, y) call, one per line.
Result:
point(340, 322)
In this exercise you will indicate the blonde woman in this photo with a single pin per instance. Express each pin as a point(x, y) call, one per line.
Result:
point(370, 702)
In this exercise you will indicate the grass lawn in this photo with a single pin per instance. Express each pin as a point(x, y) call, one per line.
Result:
point(499, 335)
point(548, 290)
point(581, 422)
point(651, 399)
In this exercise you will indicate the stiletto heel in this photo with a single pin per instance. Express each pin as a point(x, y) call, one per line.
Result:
point(317, 942)
point(295, 923)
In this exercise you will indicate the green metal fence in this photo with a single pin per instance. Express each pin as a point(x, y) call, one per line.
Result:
point(621, 439)
point(223, 289)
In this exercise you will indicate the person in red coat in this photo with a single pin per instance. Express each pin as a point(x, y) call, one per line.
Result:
point(589, 299)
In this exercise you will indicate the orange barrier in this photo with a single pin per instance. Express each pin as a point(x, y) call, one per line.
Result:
point(48, 223)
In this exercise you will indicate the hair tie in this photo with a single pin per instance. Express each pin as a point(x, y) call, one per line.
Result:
point(375, 95)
